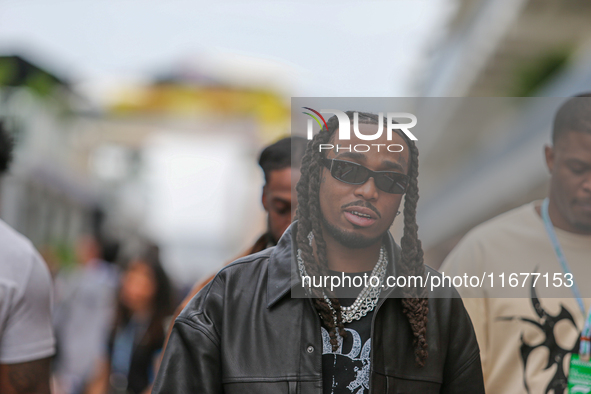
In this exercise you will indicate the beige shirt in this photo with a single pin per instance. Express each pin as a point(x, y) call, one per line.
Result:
point(525, 341)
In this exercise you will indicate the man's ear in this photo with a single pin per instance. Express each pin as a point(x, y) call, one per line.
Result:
point(264, 199)
point(549, 154)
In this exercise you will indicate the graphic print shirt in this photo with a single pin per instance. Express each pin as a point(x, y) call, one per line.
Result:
point(525, 342)
point(346, 370)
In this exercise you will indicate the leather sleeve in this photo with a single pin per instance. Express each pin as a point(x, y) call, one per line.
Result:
point(463, 370)
point(191, 362)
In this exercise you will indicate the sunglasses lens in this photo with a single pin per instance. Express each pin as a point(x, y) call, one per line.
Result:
point(356, 174)
point(391, 183)
point(349, 172)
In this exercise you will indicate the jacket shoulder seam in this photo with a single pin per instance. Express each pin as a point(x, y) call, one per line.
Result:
point(220, 276)
point(248, 259)
point(200, 328)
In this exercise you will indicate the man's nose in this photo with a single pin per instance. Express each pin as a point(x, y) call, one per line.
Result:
point(368, 190)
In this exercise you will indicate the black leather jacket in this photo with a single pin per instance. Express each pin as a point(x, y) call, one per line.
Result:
point(244, 333)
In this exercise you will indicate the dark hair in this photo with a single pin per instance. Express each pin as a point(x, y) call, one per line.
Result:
point(415, 303)
point(109, 249)
point(162, 303)
point(573, 115)
point(6, 145)
point(278, 156)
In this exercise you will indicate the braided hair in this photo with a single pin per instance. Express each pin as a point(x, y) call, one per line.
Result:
point(415, 300)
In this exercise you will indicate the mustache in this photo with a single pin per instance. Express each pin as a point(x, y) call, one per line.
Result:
point(363, 204)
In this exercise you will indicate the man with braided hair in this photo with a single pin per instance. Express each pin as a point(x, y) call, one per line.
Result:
point(243, 333)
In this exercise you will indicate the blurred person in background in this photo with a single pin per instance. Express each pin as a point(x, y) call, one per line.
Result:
point(85, 308)
point(26, 336)
point(137, 336)
point(526, 343)
point(281, 171)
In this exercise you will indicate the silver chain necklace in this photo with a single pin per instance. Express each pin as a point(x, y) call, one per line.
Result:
point(366, 300)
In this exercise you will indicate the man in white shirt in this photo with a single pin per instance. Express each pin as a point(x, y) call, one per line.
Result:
point(26, 337)
point(526, 343)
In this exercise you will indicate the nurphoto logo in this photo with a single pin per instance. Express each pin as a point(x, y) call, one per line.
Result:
point(345, 129)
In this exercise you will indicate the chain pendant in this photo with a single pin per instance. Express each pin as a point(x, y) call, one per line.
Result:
point(367, 299)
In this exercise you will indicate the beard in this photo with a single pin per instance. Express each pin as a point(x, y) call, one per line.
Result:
point(583, 227)
point(349, 239)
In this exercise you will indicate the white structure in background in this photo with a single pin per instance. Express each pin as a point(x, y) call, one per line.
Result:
point(203, 199)
point(191, 187)
point(43, 197)
point(489, 45)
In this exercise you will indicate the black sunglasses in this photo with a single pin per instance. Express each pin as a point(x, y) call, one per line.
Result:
point(356, 174)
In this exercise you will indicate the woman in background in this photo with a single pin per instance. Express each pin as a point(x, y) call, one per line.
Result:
point(144, 303)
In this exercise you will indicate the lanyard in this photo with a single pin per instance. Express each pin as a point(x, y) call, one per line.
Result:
point(585, 347)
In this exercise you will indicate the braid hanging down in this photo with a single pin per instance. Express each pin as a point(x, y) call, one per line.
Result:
point(415, 301)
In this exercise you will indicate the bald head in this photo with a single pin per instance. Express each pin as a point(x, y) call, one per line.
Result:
point(573, 116)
